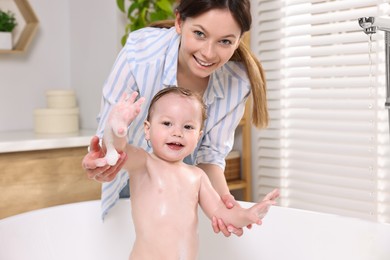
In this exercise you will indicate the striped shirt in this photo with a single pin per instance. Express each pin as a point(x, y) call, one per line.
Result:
point(147, 64)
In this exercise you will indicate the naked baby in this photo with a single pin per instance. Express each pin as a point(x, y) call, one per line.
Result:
point(164, 191)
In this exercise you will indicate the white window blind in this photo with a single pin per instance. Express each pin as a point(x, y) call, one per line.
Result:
point(327, 146)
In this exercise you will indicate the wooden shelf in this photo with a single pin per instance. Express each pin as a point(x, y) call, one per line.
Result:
point(237, 185)
point(28, 31)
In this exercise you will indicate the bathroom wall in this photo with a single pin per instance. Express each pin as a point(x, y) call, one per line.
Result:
point(75, 46)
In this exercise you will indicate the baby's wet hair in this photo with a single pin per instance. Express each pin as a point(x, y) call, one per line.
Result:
point(181, 92)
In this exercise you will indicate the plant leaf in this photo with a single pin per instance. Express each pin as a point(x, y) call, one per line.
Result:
point(124, 39)
point(141, 13)
point(165, 5)
point(121, 5)
point(7, 21)
point(157, 16)
point(132, 7)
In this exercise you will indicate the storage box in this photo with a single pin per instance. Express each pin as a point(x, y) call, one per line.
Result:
point(61, 98)
point(233, 166)
point(56, 121)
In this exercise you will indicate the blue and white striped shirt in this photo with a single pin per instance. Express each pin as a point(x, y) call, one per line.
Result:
point(147, 64)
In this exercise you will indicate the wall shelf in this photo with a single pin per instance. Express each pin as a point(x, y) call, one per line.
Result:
point(29, 30)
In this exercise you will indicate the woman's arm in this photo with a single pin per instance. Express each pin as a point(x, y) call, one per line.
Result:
point(217, 178)
point(212, 205)
point(215, 146)
point(218, 181)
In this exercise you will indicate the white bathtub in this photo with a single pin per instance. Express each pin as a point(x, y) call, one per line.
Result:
point(75, 231)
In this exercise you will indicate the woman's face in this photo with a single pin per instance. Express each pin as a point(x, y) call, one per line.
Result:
point(208, 41)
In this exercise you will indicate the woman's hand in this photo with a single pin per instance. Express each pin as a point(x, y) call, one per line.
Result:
point(219, 225)
point(230, 202)
point(96, 166)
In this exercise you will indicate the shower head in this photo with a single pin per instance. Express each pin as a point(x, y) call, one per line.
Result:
point(367, 24)
point(371, 24)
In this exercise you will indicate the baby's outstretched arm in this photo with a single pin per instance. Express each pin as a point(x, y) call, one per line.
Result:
point(120, 117)
point(212, 205)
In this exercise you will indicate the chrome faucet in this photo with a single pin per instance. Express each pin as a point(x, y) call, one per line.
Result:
point(371, 25)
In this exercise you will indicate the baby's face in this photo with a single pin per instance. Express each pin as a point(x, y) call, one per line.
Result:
point(174, 128)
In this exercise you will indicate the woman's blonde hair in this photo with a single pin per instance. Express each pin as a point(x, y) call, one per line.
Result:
point(257, 80)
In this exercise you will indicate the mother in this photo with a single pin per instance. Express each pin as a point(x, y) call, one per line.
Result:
point(202, 52)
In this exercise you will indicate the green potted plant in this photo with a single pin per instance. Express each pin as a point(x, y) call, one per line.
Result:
point(140, 13)
point(7, 24)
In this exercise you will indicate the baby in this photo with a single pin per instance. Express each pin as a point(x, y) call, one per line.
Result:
point(165, 192)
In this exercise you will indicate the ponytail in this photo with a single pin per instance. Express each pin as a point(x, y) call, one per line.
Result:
point(256, 77)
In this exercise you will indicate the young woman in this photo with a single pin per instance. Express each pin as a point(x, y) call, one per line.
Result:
point(204, 52)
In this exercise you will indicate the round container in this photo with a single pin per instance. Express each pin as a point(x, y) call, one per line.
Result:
point(56, 121)
point(61, 98)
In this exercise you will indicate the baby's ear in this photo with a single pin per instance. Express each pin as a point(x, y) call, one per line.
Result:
point(147, 129)
point(200, 135)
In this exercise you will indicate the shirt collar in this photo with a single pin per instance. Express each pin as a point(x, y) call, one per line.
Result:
point(170, 64)
point(216, 88)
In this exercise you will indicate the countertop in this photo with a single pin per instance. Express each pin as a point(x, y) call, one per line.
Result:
point(18, 141)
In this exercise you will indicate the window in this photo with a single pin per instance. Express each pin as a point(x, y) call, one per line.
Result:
point(327, 146)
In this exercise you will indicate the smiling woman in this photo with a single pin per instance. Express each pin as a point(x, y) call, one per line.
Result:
point(203, 56)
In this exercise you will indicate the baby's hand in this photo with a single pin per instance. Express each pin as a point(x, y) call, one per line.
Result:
point(121, 115)
point(261, 209)
point(124, 112)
